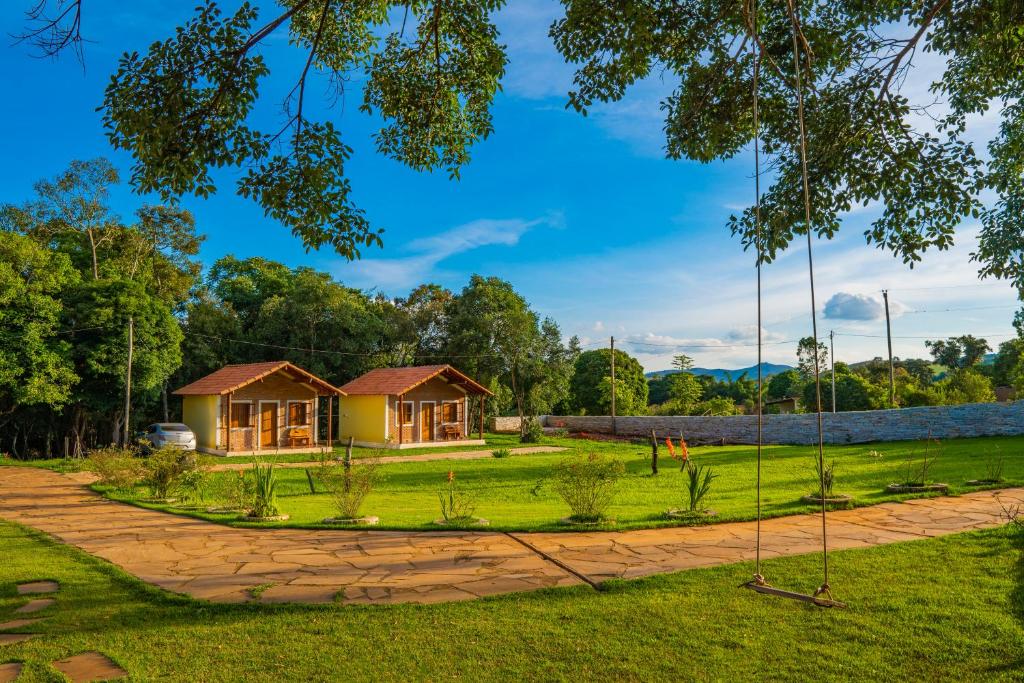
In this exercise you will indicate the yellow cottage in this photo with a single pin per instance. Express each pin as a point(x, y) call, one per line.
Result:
point(255, 408)
point(411, 408)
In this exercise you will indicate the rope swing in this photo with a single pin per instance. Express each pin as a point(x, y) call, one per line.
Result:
point(821, 597)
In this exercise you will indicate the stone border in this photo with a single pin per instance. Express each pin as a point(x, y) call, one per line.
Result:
point(841, 499)
point(916, 488)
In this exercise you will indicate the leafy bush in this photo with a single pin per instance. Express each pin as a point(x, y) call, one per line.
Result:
point(501, 453)
point(349, 487)
point(531, 432)
point(264, 498)
point(698, 485)
point(194, 483)
point(116, 467)
point(233, 491)
point(165, 470)
point(456, 504)
point(588, 484)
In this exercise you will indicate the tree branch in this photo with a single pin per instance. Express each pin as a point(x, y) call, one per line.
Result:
point(883, 92)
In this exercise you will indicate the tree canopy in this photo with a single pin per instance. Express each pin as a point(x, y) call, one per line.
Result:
point(186, 104)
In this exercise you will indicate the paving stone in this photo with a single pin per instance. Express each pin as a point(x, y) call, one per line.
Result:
point(10, 671)
point(33, 606)
point(12, 638)
point(18, 623)
point(36, 587)
point(90, 666)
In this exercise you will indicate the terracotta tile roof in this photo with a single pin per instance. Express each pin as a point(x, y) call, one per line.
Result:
point(394, 381)
point(233, 377)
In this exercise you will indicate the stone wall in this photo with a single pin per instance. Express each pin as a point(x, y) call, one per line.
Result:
point(504, 425)
point(939, 422)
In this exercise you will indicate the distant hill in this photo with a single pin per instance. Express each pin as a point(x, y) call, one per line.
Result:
point(722, 375)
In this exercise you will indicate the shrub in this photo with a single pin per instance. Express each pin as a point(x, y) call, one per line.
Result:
point(698, 485)
point(994, 463)
point(165, 470)
point(194, 483)
point(233, 491)
point(349, 487)
point(531, 431)
point(264, 498)
point(116, 467)
point(456, 504)
point(588, 484)
point(501, 453)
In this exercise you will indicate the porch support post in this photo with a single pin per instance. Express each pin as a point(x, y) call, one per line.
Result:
point(227, 422)
point(330, 422)
point(401, 412)
point(483, 398)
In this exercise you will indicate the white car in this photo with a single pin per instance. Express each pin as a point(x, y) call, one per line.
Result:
point(176, 434)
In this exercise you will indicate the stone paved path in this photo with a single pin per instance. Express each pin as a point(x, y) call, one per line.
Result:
point(389, 459)
point(225, 564)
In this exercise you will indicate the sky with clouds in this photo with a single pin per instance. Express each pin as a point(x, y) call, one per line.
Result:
point(582, 214)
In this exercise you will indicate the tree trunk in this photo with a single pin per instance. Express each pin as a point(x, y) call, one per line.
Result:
point(95, 262)
point(163, 395)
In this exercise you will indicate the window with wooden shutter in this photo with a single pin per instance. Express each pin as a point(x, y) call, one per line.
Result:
point(407, 413)
point(297, 413)
point(240, 415)
point(450, 412)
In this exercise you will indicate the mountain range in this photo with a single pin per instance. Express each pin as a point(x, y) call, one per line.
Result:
point(722, 374)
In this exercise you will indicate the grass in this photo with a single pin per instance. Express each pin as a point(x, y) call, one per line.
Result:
point(515, 494)
point(947, 609)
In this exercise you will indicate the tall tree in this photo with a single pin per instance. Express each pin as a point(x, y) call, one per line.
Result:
point(958, 352)
point(805, 358)
point(35, 359)
point(591, 369)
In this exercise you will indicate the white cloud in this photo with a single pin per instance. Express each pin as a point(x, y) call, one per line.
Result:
point(404, 272)
point(846, 306)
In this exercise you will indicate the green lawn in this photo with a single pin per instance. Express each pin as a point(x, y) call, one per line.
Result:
point(906, 621)
point(515, 494)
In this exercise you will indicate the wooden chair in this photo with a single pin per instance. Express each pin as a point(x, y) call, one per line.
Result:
point(299, 436)
point(452, 432)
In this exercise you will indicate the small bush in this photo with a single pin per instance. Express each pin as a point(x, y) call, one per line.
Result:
point(456, 504)
point(264, 498)
point(531, 431)
point(165, 471)
point(994, 463)
point(501, 453)
point(232, 490)
point(118, 468)
point(698, 485)
point(194, 484)
point(588, 484)
point(349, 487)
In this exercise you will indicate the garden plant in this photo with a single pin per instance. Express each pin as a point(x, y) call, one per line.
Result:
point(264, 499)
point(456, 505)
point(349, 486)
point(588, 484)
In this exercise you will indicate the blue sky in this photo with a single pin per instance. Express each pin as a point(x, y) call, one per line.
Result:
point(583, 215)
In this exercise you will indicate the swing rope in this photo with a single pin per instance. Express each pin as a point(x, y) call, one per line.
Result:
point(758, 577)
point(824, 588)
point(822, 596)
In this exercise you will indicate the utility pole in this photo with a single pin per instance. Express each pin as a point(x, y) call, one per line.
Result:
point(613, 384)
point(832, 354)
point(888, 336)
point(128, 381)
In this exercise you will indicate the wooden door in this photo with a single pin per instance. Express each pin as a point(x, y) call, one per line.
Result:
point(426, 422)
point(268, 425)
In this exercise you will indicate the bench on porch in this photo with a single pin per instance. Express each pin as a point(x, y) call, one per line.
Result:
point(299, 436)
point(451, 432)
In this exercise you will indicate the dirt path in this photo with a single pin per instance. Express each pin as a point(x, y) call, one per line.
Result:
point(225, 564)
point(387, 459)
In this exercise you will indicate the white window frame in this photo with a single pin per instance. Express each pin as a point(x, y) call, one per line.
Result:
point(399, 423)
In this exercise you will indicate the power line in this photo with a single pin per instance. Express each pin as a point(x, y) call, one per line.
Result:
point(362, 354)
